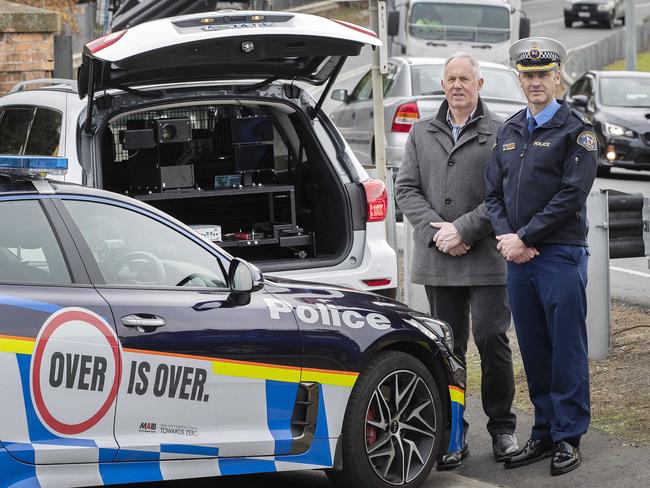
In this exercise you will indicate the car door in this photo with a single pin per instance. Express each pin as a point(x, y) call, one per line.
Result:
point(206, 372)
point(59, 356)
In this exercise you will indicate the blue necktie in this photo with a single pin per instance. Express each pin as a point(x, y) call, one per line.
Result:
point(532, 123)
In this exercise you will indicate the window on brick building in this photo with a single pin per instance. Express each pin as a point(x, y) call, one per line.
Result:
point(33, 131)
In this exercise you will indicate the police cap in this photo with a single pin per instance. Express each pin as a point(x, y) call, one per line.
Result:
point(537, 54)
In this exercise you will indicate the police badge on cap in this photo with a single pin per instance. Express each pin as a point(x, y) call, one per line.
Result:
point(537, 54)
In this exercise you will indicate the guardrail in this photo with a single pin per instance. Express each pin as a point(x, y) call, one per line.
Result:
point(600, 53)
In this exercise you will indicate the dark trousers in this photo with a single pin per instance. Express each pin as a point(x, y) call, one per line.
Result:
point(490, 319)
point(549, 307)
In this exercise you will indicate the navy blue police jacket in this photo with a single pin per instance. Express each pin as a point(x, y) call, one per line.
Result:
point(537, 185)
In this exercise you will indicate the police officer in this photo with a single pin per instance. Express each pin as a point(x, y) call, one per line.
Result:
point(542, 168)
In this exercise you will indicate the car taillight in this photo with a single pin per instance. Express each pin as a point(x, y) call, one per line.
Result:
point(406, 115)
point(378, 282)
point(104, 42)
point(377, 199)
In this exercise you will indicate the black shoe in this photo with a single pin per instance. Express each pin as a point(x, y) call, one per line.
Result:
point(452, 460)
point(565, 458)
point(533, 451)
point(504, 446)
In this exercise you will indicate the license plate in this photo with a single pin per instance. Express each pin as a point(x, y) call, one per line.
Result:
point(584, 14)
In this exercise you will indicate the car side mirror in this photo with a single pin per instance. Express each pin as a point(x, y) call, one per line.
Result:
point(392, 26)
point(244, 277)
point(579, 101)
point(340, 95)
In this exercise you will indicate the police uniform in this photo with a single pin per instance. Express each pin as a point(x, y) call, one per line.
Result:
point(537, 185)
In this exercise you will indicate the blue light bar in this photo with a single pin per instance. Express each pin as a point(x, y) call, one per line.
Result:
point(33, 165)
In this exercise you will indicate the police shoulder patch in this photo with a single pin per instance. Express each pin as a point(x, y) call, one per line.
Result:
point(587, 139)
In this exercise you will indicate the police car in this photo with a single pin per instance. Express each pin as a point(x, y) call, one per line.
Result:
point(134, 349)
point(205, 117)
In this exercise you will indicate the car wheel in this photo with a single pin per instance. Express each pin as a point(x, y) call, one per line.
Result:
point(393, 425)
point(568, 22)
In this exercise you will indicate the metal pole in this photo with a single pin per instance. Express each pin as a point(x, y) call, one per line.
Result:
point(630, 36)
point(378, 25)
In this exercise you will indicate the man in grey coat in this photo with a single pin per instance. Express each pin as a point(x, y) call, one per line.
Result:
point(440, 189)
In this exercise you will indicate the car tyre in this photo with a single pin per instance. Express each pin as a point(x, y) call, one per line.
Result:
point(393, 425)
point(568, 22)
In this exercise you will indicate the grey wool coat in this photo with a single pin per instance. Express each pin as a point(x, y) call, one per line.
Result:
point(442, 182)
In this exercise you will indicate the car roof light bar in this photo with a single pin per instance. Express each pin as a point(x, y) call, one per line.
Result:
point(33, 166)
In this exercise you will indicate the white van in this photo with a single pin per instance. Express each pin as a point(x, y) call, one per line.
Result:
point(440, 28)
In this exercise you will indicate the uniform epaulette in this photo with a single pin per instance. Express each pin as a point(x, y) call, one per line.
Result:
point(584, 119)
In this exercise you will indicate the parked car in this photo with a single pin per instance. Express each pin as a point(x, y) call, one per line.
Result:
point(132, 349)
point(605, 12)
point(199, 115)
point(412, 91)
point(618, 105)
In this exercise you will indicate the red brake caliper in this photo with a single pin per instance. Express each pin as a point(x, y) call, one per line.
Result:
point(371, 431)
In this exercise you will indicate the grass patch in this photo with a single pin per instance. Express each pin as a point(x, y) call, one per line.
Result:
point(642, 63)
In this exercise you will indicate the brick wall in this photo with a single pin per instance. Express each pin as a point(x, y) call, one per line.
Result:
point(26, 43)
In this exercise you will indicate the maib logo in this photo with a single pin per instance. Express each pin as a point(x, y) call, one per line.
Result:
point(75, 371)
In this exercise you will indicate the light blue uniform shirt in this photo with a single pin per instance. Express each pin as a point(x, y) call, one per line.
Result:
point(544, 115)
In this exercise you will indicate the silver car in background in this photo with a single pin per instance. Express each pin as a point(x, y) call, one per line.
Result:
point(412, 91)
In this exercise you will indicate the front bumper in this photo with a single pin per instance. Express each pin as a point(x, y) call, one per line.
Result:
point(630, 153)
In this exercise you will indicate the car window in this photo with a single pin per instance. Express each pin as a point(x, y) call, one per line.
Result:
point(458, 22)
point(388, 79)
point(363, 90)
point(578, 87)
point(30, 130)
point(133, 249)
point(625, 92)
point(29, 252)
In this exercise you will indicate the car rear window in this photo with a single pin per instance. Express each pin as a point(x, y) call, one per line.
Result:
point(34, 131)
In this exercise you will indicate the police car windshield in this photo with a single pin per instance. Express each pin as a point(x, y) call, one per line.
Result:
point(497, 83)
point(454, 22)
point(625, 92)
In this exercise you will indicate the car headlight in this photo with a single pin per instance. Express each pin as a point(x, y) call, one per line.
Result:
point(618, 131)
point(604, 7)
point(440, 329)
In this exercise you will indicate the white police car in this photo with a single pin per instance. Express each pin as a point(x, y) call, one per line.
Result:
point(132, 349)
point(201, 117)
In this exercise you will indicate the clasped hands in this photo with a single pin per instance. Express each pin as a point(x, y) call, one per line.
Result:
point(513, 249)
point(448, 240)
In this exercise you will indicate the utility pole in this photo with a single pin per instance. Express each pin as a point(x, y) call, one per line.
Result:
point(630, 36)
point(377, 12)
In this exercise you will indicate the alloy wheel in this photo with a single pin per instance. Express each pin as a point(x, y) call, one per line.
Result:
point(400, 427)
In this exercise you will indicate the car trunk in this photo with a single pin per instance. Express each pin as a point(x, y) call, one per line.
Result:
point(249, 175)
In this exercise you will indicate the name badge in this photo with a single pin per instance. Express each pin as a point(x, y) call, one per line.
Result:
point(509, 146)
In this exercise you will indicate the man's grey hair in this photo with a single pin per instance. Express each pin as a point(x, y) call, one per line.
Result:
point(461, 55)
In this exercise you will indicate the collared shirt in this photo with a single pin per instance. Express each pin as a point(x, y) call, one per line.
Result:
point(456, 129)
point(543, 115)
